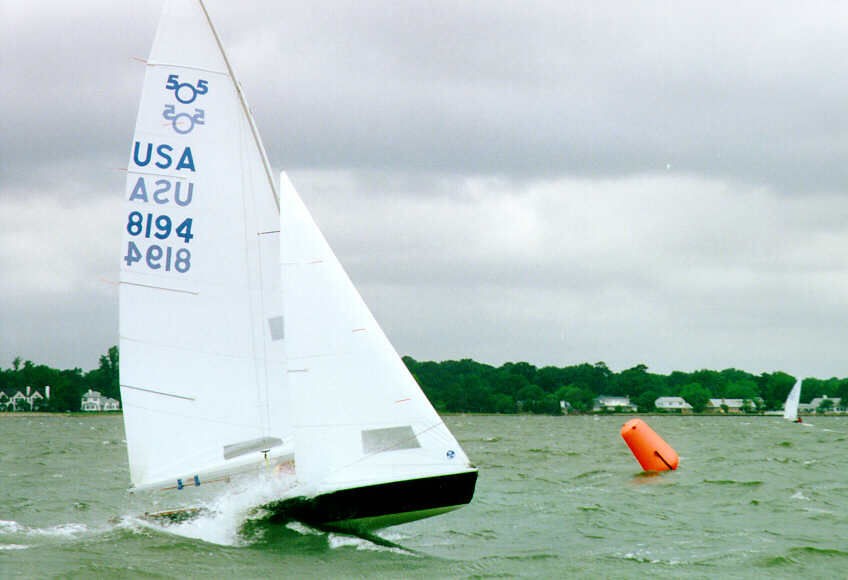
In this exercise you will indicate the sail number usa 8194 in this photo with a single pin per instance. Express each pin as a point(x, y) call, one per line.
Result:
point(158, 257)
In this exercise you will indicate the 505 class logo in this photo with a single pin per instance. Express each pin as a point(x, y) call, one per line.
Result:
point(186, 92)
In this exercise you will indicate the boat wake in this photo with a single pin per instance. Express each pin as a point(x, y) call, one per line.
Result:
point(234, 518)
point(17, 536)
point(219, 520)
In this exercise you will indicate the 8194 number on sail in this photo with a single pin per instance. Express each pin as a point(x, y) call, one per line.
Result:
point(154, 256)
point(158, 257)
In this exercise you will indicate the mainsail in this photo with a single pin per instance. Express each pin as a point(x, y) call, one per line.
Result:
point(202, 356)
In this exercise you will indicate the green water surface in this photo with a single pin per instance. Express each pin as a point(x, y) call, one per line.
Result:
point(557, 497)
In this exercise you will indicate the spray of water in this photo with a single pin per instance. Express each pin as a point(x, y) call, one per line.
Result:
point(222, 517)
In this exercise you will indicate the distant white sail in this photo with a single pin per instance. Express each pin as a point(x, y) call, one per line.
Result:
point(202, 356)
point(790, 409)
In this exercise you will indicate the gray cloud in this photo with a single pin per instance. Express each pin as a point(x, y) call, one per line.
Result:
point(651, 182)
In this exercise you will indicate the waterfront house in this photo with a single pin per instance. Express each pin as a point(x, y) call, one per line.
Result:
point(612, 403)
point(725, 405)
point(94, 401)
point(813, 406)
point(673, 404)
point(28, 400)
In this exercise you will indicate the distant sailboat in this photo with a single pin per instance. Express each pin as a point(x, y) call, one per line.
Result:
point(245, 348)
point(790, 409)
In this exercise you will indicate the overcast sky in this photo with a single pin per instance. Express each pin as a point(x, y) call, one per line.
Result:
point(558, 182)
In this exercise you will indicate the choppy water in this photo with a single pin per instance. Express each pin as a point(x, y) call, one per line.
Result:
point(557, 497)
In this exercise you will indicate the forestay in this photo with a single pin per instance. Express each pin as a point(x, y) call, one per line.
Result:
point(202, 357)
point(359, 416)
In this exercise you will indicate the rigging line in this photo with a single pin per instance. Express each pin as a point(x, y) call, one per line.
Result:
point(180, 178)
point(164, 394)
point(267, 167)
point(186, 66)
point(246, 109)
point(250, 208)
point(159, 288)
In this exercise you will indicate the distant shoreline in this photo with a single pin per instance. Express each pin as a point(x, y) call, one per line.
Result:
point(6, 414)
point(752, 415)
point(728, 415)
point(63, 414)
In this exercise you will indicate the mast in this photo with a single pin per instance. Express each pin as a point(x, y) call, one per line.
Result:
point(254, 131)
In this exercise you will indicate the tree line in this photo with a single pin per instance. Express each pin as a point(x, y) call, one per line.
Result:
point(469, 386)
point(66, 386)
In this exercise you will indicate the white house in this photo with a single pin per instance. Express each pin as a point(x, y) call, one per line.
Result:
point(94, 401)
point(612, 403)
point(672, 404)
point(813, 405)
point(18, 401)
point(733, 405)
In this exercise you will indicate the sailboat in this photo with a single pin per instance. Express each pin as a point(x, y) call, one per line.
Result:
point(246, 350)
point(790, 408)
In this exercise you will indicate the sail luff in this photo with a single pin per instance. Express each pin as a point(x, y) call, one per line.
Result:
point(243, 100)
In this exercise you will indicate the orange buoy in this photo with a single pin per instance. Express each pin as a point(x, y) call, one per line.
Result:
point(652, 453)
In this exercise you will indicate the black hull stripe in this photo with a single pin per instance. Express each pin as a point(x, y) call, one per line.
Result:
point(351, 508)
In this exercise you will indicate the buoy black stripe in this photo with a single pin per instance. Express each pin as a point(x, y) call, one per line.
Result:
point(657, 453)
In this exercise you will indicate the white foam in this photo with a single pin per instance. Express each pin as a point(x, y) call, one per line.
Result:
point(343, 541)
point(10, 527)
point(303, 529)
point(13, 547)
point(223, 516)
point(61, 530)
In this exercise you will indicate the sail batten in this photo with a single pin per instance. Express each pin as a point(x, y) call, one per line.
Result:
point(188, 67)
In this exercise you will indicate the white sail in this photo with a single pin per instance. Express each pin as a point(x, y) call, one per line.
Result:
point(790, 409)
point(359, 416)
point(242, 338)
point(202, 357)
